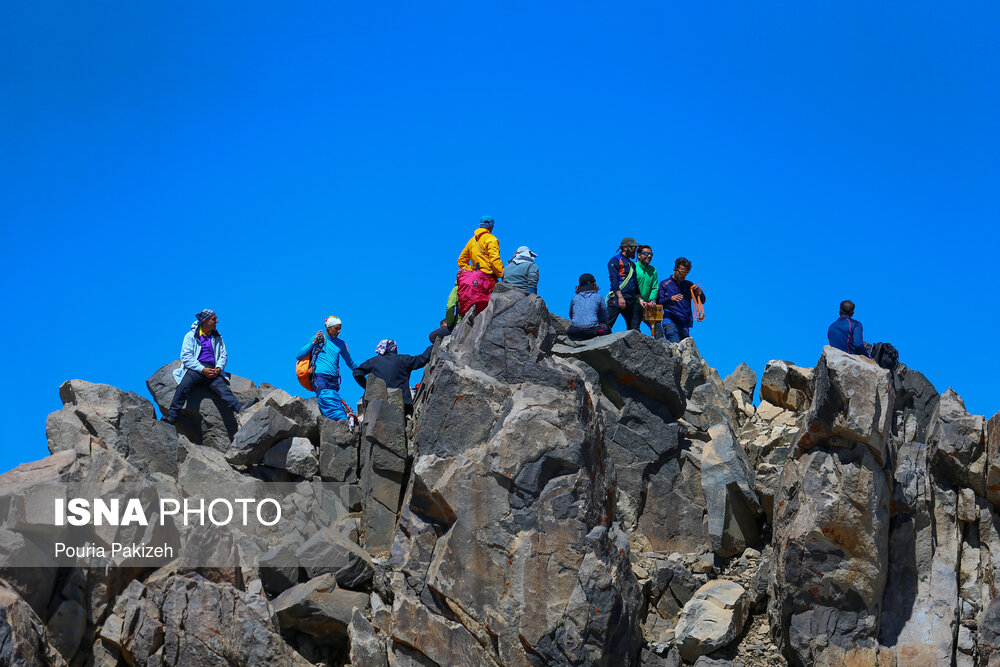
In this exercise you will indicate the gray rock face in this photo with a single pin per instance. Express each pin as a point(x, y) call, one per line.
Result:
point(338, 451)
point(993, 460)
point(23, 638)
point(955, 442)
point(329, 552)
point(296, 455)
point(786, 385)
point(318, 607)
point(712, 618)
point(265, 428)
point(727, 481)
point(742, 379)
point(384, 455)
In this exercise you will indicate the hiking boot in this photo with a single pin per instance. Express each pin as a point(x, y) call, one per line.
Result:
point(168, 419)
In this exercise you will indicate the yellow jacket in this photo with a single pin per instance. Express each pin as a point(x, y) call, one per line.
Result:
point(482, 252)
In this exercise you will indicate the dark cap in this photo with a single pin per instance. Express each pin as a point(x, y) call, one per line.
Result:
point(587, 279)
point(628, 242)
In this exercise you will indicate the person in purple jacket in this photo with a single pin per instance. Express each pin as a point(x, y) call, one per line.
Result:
point(846, 333)
point(675, 297)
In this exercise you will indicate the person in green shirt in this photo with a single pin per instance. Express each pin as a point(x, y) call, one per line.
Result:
point(648, 283)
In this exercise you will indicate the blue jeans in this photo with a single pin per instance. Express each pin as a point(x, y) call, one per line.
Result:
point(188, 382)
point(328, 395)
point(673, 333)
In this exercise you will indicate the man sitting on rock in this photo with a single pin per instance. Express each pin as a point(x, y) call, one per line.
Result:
point(675, 296)
point(393, 368)
point(588, 312)
point(203, 361)
point(846, 334)
point(327, 350)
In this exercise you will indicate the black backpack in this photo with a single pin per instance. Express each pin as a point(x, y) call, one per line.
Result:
point(886, 356)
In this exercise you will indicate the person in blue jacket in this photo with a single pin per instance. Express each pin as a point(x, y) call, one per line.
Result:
point(203, 361)
point(328, 350)
point(846, 333)
point(675, 297)
point(624, 295)
point(588, 313)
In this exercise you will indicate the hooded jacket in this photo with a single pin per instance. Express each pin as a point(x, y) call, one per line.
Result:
point(191, 348)
point(522, 272)
point(393, 369)
point(482, 252)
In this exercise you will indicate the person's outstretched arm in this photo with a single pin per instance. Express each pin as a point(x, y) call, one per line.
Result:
point(421, 360)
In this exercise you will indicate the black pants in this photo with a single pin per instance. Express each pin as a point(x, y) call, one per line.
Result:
point(584, 333)
point(188, 382)
point(632, 312)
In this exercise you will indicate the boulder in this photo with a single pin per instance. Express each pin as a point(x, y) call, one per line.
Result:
point(338, 451)
point(330, 552)
point(263, 429)
point(727, 481)
point(65, 431)
point(384, 455)
point(712, 618)
point(742, 379)
point(318, 607)
point(786, 385)
point(296, 455)
point(24, 640)
point(367, 650)
point(916, 398)
point(993, 460)
point(956, 445)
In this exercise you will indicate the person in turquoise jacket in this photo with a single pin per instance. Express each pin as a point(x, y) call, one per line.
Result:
point(328, 349)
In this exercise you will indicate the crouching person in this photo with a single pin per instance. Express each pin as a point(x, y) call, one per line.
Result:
point(588, 312)
point(327, 350)
point(203, 361)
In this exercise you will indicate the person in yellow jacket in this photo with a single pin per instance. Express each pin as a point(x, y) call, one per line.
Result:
point(482, 252)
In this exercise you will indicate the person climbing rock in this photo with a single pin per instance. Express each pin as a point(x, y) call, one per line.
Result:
point(393, 368)
point(623, 297)
point(587, 311)
point(846, 333)
point(203, 361)
point(675, 297)
point(328, 349)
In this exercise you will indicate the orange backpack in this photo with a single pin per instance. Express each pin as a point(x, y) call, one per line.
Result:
point(306, 367)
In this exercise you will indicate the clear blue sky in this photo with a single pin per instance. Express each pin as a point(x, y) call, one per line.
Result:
point(280, 164)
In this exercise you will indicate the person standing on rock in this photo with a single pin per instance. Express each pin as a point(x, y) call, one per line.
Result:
point(675, 296)
point(588, 312)
point(203, 361)
point(479, 268)
point(623, 297)
point(393, 368)
point(846, 333)
point(522, 272)
point(328, 350)
point(648, 284)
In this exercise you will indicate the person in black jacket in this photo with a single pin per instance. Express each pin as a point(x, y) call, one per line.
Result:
point(392, 368)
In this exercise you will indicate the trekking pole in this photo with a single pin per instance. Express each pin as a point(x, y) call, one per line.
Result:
point(699, 303)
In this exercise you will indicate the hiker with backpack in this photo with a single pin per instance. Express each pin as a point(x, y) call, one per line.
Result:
point(479, 268)
point(648, 284)
point(203, 361)
point(393, 368)
point(675, 295)
point(324, 352)
point(623, 297)
point(587, 311)
point(521, 271)
point(846, 333)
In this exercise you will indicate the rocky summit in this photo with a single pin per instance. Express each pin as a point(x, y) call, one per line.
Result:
point(550, 502)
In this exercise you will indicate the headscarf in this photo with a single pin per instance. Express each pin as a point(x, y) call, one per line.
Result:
point(333, 320)
point(385, 345)
point(523, 254)
point(204, 314)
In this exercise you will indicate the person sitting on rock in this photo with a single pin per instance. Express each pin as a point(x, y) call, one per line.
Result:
point(588, 312)
point(623, 297)
point(393, 368)
point(522, 271)
point(328, 350)
point(846, 333)
point(675, 297)
point(479, 268)
point(203, 361)
point(648, 284)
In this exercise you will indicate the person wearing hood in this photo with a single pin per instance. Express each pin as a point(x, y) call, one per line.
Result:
point(203, 361)
point(588, 311)
point(393, 368)
point(326, 351)
point(522, 272)
point(479, 268)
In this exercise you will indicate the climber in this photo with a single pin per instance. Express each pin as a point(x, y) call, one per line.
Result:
point(393, 368)
point(846, 333)
point(328, 350)
point(648, 284)
point(479, 268)
point(441, 332)
point(203, 361)
point(675, 296)
point(624, 288)
point(588, 312)
point(522, 271)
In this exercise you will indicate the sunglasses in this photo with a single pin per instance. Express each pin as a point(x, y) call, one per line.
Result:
point(645, 254)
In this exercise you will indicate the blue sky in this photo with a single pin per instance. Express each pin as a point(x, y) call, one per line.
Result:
point(283, 164)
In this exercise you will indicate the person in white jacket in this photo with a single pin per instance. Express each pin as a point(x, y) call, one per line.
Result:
point(203, 361)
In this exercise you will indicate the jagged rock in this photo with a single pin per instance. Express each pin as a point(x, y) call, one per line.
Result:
point(125, 422)
point(916, 397)
point(767, 437)
point(786, 385)
point(993, 460)
point(24, 641)
point(713, 618)
point(66, 627)
point(366, 648)
point(671, 586)
point(338, 451)
point(384, 455)
point(727, 482)
point(989, 634)
point(742, 379)
point(65, 431)
point(318, 607)
point(328, 551)
point(707, 402)
point(205, 419)
point(673, 517)
point(296, 455)
point(262, 430)
point(956, 443)
point(705, 661)
point(279, 569)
